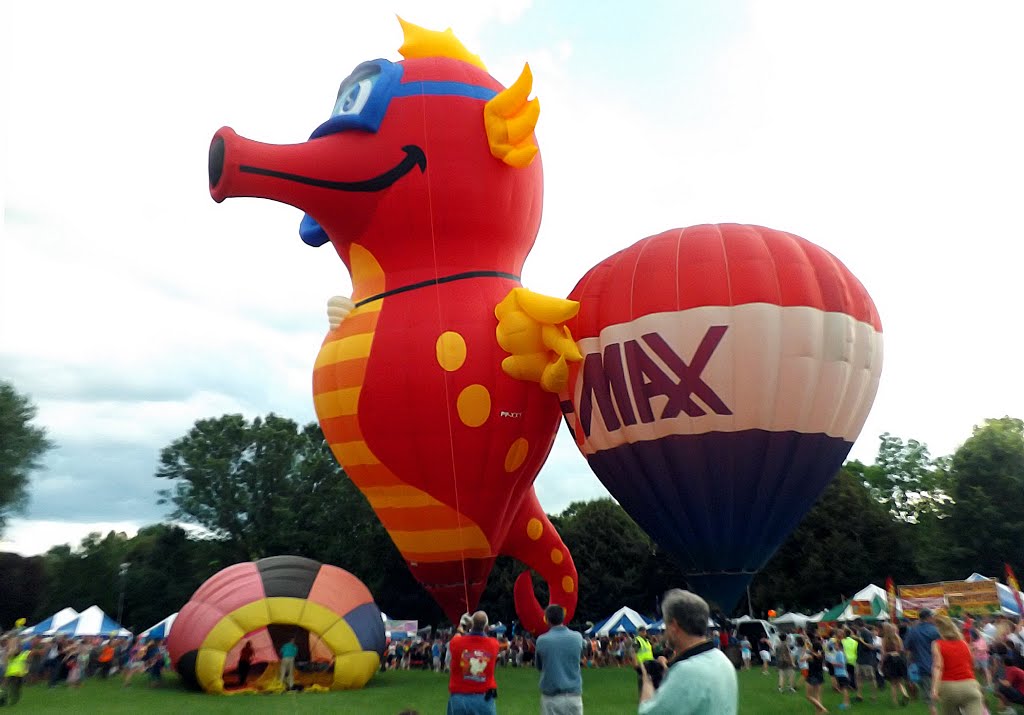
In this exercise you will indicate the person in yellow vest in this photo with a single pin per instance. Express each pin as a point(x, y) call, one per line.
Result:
point(644, 651)
point(644, 654)
point(850, 646)
point(17, 669)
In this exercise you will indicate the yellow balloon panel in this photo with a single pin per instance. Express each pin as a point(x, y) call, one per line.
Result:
point(316, 618)
point(210, 669)
point(224, 635)
point(342, 639)
point(285, 610)
point(252, 616)
point(354, 670)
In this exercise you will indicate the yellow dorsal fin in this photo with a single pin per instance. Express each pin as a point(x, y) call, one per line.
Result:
point(420, 42)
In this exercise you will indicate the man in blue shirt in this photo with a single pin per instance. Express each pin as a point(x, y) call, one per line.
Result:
point(288, 652)
point(701, 679)
point(558, 660)
point(918, 644)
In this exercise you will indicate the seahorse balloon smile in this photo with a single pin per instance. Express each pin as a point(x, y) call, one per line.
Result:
point(427, 181)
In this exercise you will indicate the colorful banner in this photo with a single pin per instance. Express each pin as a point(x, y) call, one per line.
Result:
point(975, 598)
point(401, 626)
point(861, 608)
point(926, 595)
point(890, 592)
point(1011, 581)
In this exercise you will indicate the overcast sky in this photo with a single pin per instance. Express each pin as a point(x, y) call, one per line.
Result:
point(131, 305)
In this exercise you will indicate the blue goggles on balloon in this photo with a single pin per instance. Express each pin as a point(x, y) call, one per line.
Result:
point(364, 96)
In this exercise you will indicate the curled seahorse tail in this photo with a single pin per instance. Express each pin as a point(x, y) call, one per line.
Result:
point(533, 540)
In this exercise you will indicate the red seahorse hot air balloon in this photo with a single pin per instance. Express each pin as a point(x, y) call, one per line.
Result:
point(427, 182)
point(727, 371)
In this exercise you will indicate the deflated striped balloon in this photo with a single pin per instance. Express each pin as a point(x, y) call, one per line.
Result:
point(280, 594)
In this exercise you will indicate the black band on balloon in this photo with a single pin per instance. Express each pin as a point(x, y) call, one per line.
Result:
point(439, 281)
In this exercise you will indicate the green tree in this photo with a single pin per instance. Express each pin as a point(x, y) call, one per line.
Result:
point(269, 487)
point(22, 587)
point(845, 542)
point(987, 517)
point(22, 446)
point(85, 576)
point(906, 479)
point(611, 554)
point(165, 567)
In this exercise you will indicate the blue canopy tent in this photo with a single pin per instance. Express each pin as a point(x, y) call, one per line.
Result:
point(49, 625)
point(160, 630)
point(624, 620)
point(93, 622)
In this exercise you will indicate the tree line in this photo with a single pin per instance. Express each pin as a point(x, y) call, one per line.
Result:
point(249, 489)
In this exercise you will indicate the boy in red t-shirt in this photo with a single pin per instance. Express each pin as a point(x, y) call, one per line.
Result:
point(1011, 688)
point(472, 686)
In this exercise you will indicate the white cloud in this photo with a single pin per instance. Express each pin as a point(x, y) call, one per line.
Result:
point(29, 538)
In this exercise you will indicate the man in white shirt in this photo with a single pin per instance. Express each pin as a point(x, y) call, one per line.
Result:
point(700, 679)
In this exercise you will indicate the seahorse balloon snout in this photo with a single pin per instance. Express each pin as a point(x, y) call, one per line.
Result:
point(427, 180)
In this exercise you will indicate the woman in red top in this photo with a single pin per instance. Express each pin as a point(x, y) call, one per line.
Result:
point(954, 686)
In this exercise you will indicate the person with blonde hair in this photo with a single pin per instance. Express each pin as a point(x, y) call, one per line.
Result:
point(894, 663)
point(954, 686)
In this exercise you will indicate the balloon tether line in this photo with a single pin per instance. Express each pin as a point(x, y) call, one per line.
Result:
point(447, 393)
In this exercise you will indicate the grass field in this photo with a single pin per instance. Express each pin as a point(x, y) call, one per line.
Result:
point(610, 691)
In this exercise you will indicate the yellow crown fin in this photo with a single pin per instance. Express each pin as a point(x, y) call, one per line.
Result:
point(420, 42)
point(510, 118)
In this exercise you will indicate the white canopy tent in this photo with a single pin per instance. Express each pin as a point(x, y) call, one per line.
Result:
point(161, 629)
point(792, 620)
point(49, 625)
point(93, 622)
point(624, 620)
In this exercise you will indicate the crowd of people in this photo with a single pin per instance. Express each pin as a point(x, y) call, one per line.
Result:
point(63, 659)
point(619, 650)
point(946, 664)
point(691, 676)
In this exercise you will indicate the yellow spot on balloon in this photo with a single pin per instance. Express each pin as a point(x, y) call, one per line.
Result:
point(516, 454)
point(474, 405)
point(567, 585)
point(534, 529)
point(556, 556)
point(451, 351)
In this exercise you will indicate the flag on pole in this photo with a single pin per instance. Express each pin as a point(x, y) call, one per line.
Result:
point(1011, 581)
point(890, 588)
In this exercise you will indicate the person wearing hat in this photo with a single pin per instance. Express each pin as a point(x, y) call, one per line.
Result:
point(918, 645)
point(644, 651)
point(645, 658)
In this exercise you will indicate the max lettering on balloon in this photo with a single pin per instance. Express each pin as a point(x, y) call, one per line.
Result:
point(605, 381)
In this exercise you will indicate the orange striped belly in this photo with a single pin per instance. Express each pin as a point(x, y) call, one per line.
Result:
point(423, 528)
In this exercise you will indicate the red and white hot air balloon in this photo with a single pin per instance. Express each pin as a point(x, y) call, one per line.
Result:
point(727, 371)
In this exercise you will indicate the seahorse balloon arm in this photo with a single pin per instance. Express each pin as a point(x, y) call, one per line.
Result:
point(531, 327)
point(338, 307)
